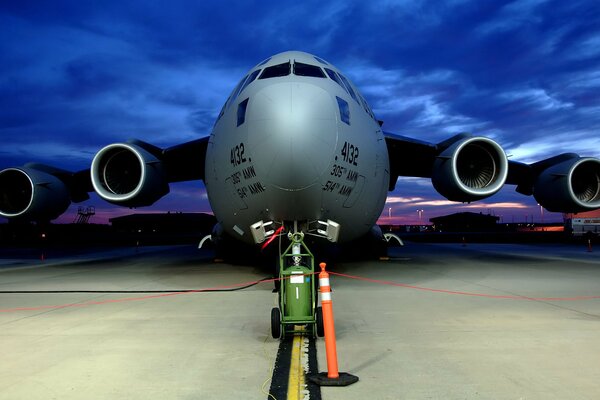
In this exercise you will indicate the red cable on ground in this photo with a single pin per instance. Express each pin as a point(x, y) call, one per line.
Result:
point(240, 285)
point(490, 296)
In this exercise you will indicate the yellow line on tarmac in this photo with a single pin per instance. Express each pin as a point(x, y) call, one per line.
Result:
point(296, 386)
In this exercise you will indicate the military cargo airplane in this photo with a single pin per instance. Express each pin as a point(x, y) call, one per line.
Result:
point(297, 146)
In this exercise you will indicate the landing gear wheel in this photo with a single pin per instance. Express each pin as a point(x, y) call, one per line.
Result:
point(275, 322)
point(320, 327)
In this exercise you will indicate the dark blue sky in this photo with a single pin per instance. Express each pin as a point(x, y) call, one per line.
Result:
point(75, 76)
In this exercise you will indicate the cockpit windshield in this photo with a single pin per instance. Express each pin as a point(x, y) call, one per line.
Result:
point(299, 69)
point(302, 69)
point(275, 71)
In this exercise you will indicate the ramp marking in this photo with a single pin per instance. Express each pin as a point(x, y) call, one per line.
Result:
point(296, 357)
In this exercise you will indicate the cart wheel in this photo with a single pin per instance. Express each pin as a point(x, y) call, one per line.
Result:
point(320, 327)
point(275, 322)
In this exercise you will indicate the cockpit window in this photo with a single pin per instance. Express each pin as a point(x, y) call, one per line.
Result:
point(366, 106)
point(221, 113)
point(235, 92)
point(276, 71)
point(349, 87)
point(335, 78)
point(241, 112)
point(344, 110)
point(302, 69)
point(250, 79)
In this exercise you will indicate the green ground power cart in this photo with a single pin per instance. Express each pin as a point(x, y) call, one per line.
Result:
point(297, 312)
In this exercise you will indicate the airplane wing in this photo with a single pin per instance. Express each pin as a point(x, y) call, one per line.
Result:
point(409, 157)
point(467, 168)
point(132, 174)
point(185, 162)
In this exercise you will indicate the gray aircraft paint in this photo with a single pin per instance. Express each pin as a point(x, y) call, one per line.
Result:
point(292, 167)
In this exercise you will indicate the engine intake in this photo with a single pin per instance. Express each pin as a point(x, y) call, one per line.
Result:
point(32, 194)
point(470, 169)
point(570, 186)
point(126, 174)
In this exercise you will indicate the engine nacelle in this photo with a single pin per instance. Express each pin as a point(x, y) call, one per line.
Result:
point(127, 175)
point(32, 194)
point(570, 186)
point(470, 169)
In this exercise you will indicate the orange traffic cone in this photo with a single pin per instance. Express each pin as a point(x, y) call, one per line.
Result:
point(332, 377)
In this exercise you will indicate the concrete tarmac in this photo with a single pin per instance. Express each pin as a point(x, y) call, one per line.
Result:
point(473, 322)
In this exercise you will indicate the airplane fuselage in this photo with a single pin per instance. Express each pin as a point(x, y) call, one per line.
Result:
point(296, 142)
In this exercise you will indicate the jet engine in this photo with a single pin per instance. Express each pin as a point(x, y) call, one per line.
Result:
point(32, 194)
point(127, 174)
point(470, 169)
point(570, 186)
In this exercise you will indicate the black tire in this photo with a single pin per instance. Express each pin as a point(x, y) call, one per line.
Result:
point(275, 323)
point(320, 327)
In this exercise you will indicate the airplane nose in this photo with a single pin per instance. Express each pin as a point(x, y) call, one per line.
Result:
point(292, 133)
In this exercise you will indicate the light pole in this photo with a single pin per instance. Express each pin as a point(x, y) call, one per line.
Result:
point(390, 212)
point(420, 212)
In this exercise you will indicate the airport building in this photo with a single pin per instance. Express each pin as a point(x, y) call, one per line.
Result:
point(465, 222)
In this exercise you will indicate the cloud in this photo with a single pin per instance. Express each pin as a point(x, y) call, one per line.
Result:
point(73, 157)
point(571, 141)
point(398, 199)
point(534, 98)
point(513, 16)
point(415, 102)
point(435, 203)
point(75, 77)
point(508, 205)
